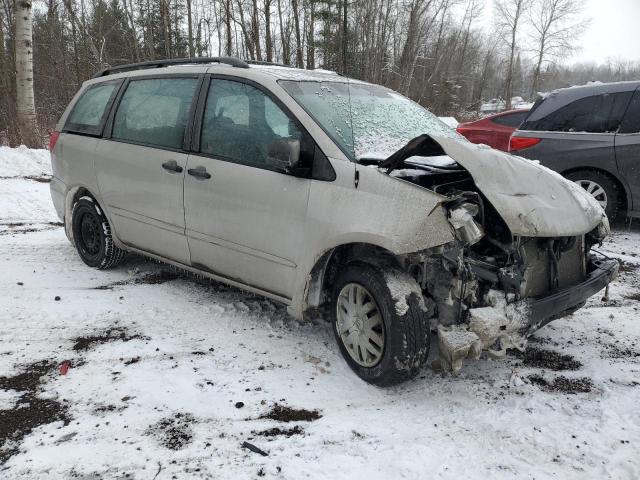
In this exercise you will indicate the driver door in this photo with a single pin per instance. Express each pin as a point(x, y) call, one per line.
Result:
point(245, 217)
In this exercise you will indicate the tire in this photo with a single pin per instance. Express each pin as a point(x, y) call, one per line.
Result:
point(406, 339)
point(92, 235)
point(595, 182)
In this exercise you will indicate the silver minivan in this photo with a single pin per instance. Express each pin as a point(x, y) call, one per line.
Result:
point(328, 194)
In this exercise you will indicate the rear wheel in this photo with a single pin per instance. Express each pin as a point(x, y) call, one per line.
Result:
point(92, 235)
point(601, 187)
point(380, 327)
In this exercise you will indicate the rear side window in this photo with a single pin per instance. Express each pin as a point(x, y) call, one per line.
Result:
point(155, 112)
point(512, 120)
point(631, 122)
point(596, 114)
point(241, 124)
point(90, 111)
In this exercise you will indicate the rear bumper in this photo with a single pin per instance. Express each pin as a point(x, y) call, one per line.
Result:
point(544, 310)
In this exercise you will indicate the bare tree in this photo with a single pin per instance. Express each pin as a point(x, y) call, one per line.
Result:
point(509, 13)
point(556, 27)
point(25, 99)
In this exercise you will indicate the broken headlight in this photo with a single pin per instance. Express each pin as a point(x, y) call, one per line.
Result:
point(462, 218)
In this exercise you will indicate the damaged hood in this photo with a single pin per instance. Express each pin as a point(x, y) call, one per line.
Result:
point(533, 200)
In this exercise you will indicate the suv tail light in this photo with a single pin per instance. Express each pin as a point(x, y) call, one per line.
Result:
point(53, 138)
point(522, 143)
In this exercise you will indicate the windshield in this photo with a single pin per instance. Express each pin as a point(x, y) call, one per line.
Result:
point(383, 120)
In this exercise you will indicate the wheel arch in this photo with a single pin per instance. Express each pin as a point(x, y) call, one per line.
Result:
point(326, 268)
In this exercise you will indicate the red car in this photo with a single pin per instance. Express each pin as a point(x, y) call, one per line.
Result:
point(494, 130)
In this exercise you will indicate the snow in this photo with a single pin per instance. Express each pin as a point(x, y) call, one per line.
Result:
point(22, 161)
point(450, 121)
point(203, 346)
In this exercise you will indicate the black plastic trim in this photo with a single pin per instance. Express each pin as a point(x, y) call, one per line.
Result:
point(546, 309)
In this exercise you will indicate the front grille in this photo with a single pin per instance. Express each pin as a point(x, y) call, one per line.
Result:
point(541, 276)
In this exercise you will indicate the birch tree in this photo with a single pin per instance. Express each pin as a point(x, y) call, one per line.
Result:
point(26, 108)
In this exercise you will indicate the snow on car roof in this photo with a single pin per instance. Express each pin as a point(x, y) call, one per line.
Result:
point(283, 72)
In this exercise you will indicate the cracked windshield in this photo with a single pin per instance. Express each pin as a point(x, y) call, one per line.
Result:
point(383, 120)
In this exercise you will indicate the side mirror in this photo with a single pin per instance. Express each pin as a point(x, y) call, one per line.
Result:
point(285, 153)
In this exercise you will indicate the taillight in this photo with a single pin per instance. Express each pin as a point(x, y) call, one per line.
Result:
point(521, 143)
point(53, 138)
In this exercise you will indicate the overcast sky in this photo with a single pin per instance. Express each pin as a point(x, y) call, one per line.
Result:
point(614, 31)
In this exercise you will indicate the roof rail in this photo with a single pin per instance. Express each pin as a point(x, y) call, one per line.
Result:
point(233, 61)
point(268, 64)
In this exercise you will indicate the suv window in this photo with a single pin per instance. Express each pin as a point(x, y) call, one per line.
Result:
point(511, 119)
point(631, 122)
point(90, 111)
point(595, 114)
point(155, 111)
point(241, 123)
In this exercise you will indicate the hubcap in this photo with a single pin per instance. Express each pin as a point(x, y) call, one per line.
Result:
point(595, 190)
point(90, 232)
point(360, 325)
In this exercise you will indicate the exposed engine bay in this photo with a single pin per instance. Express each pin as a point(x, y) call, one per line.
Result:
point(481, 289)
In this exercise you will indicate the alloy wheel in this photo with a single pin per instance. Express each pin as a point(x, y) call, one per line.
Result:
point(595, 190)
point(360, 325)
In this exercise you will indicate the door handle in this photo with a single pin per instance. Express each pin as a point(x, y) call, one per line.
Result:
point(172, 166)
point(199, 172)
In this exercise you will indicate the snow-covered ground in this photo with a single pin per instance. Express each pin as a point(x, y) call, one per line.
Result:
point(160, 362)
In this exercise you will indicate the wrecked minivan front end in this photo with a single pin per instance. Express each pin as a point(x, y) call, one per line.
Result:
point(509, 270)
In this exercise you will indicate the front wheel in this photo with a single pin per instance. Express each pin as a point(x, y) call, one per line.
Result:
point(379, 323)
point(601, 187)
point(92, 235)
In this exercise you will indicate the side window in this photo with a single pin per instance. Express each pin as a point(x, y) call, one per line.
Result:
point(595, 114)
point(155, 111)
point(631, 122)
point(243, 125)
point(90, 111)
point(512, 120)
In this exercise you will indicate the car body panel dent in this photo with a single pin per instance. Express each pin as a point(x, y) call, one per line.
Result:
point(533, 200)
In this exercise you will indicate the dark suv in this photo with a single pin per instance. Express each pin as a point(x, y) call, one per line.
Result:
point(591, 135)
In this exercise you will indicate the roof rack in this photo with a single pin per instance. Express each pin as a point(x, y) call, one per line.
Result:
point(268, 64)
point(233, 61)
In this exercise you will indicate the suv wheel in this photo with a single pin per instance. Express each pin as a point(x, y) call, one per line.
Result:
point(383, 341)
point(92, 235)
point(600, 187)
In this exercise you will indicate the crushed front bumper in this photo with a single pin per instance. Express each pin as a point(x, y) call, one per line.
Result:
point(556, 305)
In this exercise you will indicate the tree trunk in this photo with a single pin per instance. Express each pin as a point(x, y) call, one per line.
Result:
point(190, 29)
point(285, 38)
point(27, 122)
point(267, 26)
point(296, 22)
point(7, 96)
point(345, 32)
point(311, 48)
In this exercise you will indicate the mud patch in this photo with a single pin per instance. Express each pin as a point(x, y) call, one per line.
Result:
point(279, 432)
point(634, 296)
point(562, 384)
point(627, 267)
point(24, 227)
point(173, 433)
point(155, 278)
point(547, 359)
point(29, 411)
point(35, 178)
point(615, 351)
point(282, 413)
point(110, 335)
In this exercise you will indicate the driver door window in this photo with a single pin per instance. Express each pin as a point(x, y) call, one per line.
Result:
point(241, 123)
